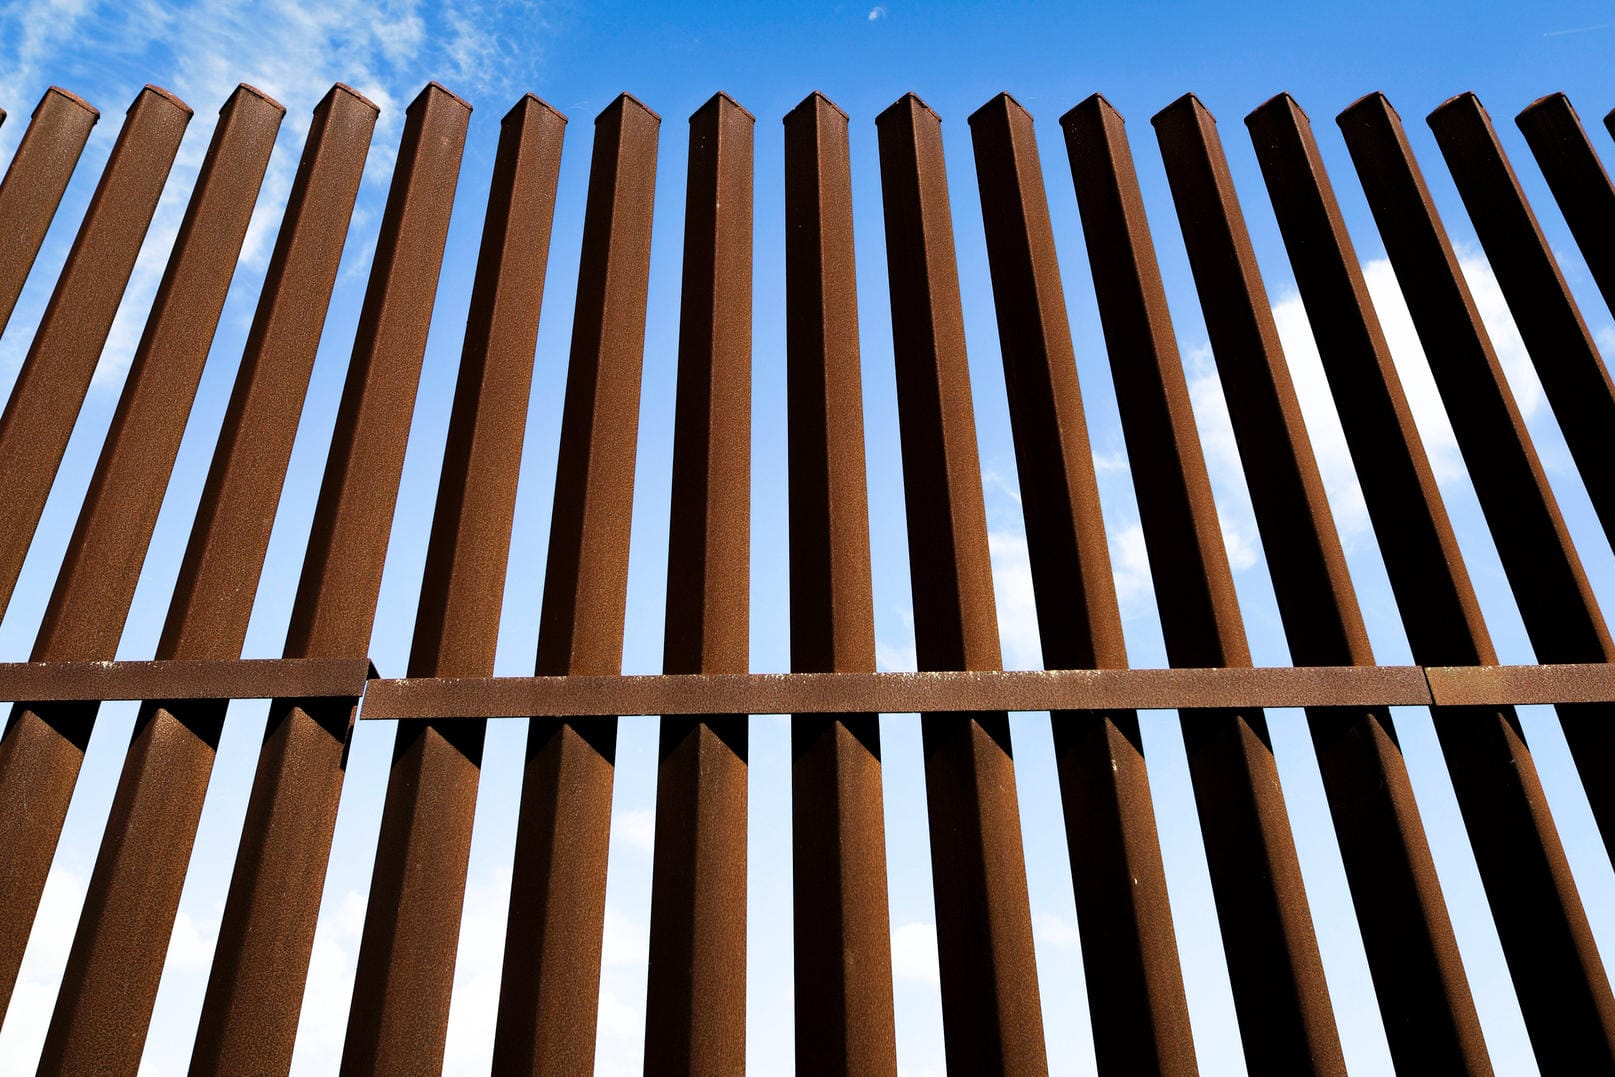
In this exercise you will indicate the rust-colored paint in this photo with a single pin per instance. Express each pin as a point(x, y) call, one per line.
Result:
point(35, 180)
point(992, 1017)
point(44, 745)
point(55, 375)
point(1139, 1012)
point(695, 1005)
point(249, 1015)
point(841, 925)
point(1567, 362)
point(398, 1020)
point(1424, 999)
point(1281, 998)
point(550, 990)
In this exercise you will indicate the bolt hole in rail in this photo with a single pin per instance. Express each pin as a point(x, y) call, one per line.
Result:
point(696, 999)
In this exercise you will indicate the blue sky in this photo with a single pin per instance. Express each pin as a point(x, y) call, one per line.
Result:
point(956, 56)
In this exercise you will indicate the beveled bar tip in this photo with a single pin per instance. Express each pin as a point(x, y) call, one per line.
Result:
point(1094, 102)
point(1467, 99)
point(623, 101)
point(718, 100)
point(247, 88)
point(71, 98)
point(1367, 103)
point(812, 100)
point(530, 100)
point(166, 95)
point(433, 88)
point(910, 101)
point(1281, 101)
point(1189, 102)
point(1552, 100)
point(345, 90)
point(1003, 99)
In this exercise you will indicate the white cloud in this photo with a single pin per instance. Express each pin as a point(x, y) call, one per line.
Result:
point(914, 954)
point(1130, 566)
point(1054, 932)
point(1017, 606)
point(877, 12)
point(634, 828)
point(22, 1036)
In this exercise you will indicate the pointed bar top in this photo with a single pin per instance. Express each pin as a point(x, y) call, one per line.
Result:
point(245, 88)
point(166, 95)
point(435, 87)
point(1003, 99)
point(910, 101)
point(621, 103)
point(71, 98)
point(1549, 101)
point(1281, 100)
point(346, 91)
point(717, 101)
point(1096, 102)
point(528, 101)
point(1366, 103)
point(1190, 102)
point(816, 97)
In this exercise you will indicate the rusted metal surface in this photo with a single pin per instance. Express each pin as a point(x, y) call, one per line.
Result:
point(55, 375)
point(249, 1015)
point(44, 744)
point(1567, 362)
point(1424, 1000)
point(1550, 587)
point(549, 994)
point(35, 180)
point(695, 1005)
point(1517, 848)
point(1139, 1012)
point(992, 1019)
point(253, 678)
point(1578, 181)
point(398, 1020)
point(845, 1021)
point(1281, 998)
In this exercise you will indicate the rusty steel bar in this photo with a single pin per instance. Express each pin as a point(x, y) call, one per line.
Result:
point(55, 375)
point(1567, 362)
point(1535, 905)
point(549, 994)
point(135, 889)
point(992, 1019)
point(250, 1013)
point(1578, 181)
point(845, 1021)
point(1424, 999)
point(1140, 1014)
point(35, 180)
point(399, 1016)
point(44, 744)
point(255, 678)
point(1552, 591)
point(821, 694)
point(695, 1005)
point(1280, 995)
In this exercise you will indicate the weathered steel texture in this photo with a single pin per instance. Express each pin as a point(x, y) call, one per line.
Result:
point(1567, 362)
point(1140, 1015)
point(35, 180)
point(249, 1016)
point(135, 889)
point(821, 694)
point(1424, 1000)
point(1281, 998)
point(255, 678)
point(1517, 849)
point(549, 993)
point(992, 1019)
point(1578, 181)
point(845, 1021)
point(695, 1005)
point(398, 1019)
point(44, 745)
point(55, 375)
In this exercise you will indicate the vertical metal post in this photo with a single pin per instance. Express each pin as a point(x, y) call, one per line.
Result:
point(550, 991)
point(44, 744)
point(1424, 999)
point(1140, 1014)
point(33, 187)
point(1562, 350)
point(118, 953)
point(992, 1017)
point(1578, 181)
point(1281, 998)
point(55, 375)
point(842, 929)
point(250, 1013)
point(398, 1020)
point(695, 1007)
